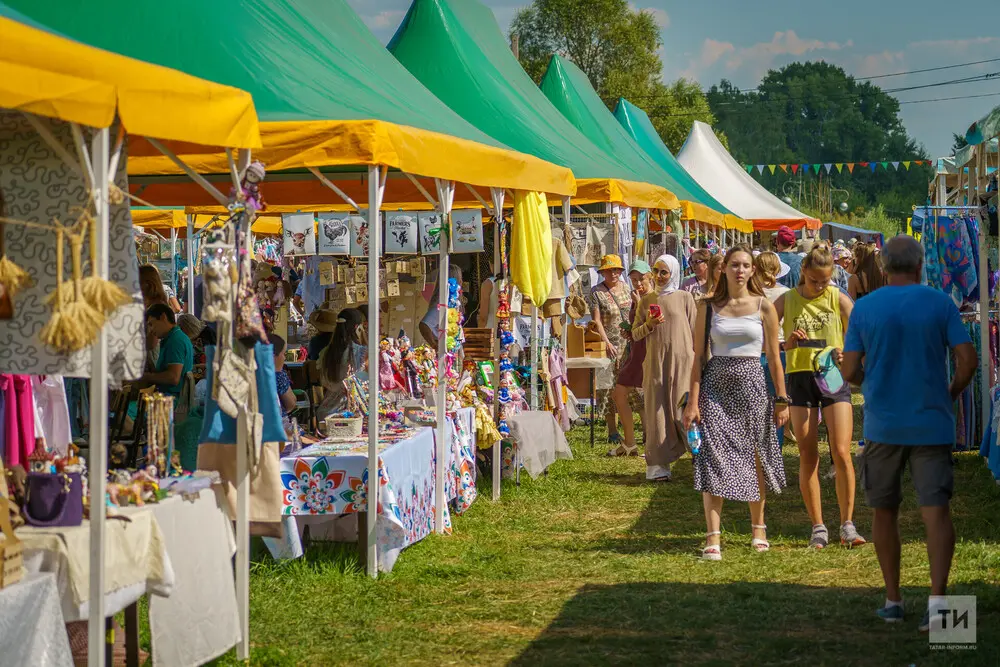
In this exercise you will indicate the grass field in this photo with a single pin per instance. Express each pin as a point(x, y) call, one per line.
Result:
point(592, 565)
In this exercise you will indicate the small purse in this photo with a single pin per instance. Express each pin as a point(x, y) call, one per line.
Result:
point(53, 500)
point(233, 384)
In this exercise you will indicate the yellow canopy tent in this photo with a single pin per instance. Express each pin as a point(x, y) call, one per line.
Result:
point(269, 224)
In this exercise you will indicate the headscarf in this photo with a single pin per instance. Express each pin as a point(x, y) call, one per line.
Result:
point(675, 273)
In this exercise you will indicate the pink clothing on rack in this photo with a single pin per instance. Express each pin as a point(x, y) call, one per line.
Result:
point(19, 425)
point(558, 378)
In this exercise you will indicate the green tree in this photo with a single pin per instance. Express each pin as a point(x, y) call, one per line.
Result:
point(618, 48)
point(815, 112)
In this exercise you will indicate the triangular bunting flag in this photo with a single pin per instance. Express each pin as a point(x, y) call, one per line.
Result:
point(795, 168)
point(907, 165)
point(873, 166)
point(748, 167)
point(840, 167)
point(885, 165)
point(850, 167)
point(805, 167)
point(828, 166)
point(817, 167)
point(895, 165)
point(770, 168)
point(863, 164)
point(760, 169)
point(784, 167)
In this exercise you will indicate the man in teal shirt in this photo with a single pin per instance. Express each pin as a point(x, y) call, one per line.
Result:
point(176, 352)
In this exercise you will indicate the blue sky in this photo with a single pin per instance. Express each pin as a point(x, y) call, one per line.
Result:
point(714, 39)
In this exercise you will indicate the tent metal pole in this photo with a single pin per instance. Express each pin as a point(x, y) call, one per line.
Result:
point(446, 195)
point(98, 463)
point(376, 188)
point(566, 222)
point(498, 198)
point(723, 237)
point(534, 357)
point(984, 294)
point(189, 248)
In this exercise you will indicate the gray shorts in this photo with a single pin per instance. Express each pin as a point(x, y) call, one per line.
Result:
point(931, 468)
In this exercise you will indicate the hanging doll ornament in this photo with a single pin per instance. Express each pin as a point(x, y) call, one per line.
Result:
point(250, 194)
point(218, 277)
point(506, 336)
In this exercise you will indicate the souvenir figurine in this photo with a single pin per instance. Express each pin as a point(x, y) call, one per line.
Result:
point(503, 394)
point(251, 185)
point(505, 364)
point(503, 305)
point(506, 337)
point(41, 460)
point(386, 374)
point(503, 429)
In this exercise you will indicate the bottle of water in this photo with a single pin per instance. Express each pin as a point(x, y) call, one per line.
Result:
point(694, 438)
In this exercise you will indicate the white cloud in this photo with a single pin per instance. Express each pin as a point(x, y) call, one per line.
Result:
point(384, 20)
point(710, 53)
point(955, 45)
point(875, 64)
point(787, 43)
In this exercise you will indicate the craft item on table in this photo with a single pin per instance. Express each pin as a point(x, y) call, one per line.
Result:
point(334, 234)
point(136, 489)
point(160, 432)
point(428, 366)
point(343, 425)
point(467, 230)
point(388, 376)
point(411, 374)
point(52, 497)
point(219, 273)
point(299, 233)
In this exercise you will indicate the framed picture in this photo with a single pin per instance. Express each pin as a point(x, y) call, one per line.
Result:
point(486, 371)
point(359, 234)
point(467, 230)
point(334, 233)
point(299, 233)
point(430, 233)
point(401, 233)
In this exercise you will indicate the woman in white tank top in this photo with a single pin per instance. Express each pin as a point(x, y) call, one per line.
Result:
point(739, 457)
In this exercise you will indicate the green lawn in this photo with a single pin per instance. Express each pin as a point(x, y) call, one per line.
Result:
point(592, 565)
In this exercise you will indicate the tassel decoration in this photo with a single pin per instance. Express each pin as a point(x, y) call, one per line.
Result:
point(103, 295)
point(12, 276)
point(83, 315)
point(58, 333)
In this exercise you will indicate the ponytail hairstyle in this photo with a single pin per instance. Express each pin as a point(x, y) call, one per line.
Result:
point(721, 293)
point(820, 257)
point(767, 266)
point(869, 264)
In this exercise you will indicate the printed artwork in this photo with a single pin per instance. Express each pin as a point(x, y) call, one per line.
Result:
point(641, 222)
point(467, 230)
point(359, 234)
point(600, 242)
point(430, 232)
point(401, 233)
point(334, 233)
point(298, 231)
point(578, 242)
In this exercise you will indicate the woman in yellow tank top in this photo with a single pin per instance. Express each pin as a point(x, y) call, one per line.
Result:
point(815, 316)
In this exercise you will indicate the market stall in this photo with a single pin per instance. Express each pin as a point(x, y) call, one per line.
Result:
point(72, 106)
point(709, 163)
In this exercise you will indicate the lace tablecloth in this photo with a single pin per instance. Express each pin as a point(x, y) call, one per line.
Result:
point(32, 631)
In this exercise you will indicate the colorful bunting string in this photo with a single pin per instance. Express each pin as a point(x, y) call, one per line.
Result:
point(828, 167)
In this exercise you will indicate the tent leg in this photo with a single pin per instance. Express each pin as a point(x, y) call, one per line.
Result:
point(376, 188)
point(498, 197)
point(446, 195)
point(534, 357)
point(189, 247)
point(99, 413)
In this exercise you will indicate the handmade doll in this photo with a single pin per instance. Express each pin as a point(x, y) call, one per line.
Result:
point(386, 375)
point(251, 186)
point(505, 365)
point(503, 305)
point(506, 336)
point(411, 375)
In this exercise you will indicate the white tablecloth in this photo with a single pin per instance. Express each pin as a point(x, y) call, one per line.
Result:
point(32, 631)
point(540, 440)
point(200, 619)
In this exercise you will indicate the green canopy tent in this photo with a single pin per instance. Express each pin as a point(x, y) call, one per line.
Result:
point(640, 128)
point(456, 49)
point(569, 89)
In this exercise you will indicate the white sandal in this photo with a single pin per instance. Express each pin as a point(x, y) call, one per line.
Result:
point(760, 545)
point(712, 552)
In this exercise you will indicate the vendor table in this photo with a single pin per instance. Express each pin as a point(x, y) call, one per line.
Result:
point(327, 480)
point(32, 630)
point(594, 364)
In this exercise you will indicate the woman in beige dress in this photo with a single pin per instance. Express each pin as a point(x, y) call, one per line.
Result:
point(666, 373)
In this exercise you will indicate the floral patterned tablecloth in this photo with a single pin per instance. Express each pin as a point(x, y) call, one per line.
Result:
point(330, 480)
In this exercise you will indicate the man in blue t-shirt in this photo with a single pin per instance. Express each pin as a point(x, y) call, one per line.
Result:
point(897, 348)
point(176, 352)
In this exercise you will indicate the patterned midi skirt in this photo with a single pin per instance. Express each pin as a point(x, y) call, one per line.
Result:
point(737, 421)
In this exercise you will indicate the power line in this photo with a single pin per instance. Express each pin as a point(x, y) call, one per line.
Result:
point(947, 99)
point(928, 69)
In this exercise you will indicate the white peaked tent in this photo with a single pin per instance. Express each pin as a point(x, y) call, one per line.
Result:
point(708, 161)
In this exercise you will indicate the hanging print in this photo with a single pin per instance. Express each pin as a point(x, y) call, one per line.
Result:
point(467, 230)
point(641, 220)
point(401, 233)
point(359, 234)
point(430, 232)
point(334, 233)
point(298, 230)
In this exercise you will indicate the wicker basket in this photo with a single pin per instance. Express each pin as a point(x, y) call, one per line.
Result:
point(343, 427)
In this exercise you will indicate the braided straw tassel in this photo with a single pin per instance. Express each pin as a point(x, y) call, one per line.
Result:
point(85, 316)
point(58, 333)
point(103, 295)
point(12, 276)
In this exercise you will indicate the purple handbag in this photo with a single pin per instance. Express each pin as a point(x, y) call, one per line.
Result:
point(52, 500)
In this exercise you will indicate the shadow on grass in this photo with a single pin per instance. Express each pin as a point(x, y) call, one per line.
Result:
point(747, 623)
point(673, 519)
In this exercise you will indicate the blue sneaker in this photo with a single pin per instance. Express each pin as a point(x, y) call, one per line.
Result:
point(893, 614)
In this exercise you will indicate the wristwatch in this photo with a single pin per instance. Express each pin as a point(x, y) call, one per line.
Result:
point(782, 400)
